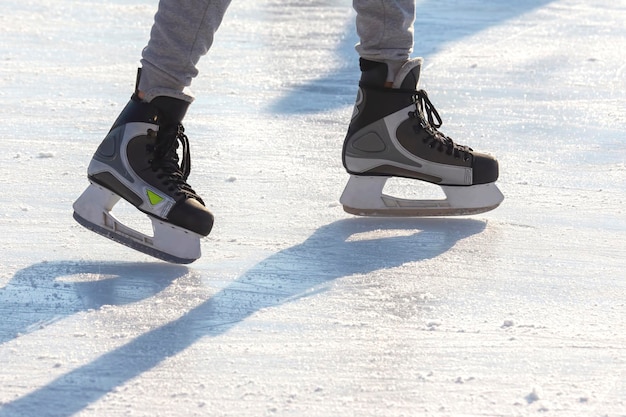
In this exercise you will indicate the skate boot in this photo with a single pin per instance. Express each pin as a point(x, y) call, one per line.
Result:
point(394, 133)
point(139, 162)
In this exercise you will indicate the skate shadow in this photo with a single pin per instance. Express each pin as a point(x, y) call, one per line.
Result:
point(36, 296)
point(438, 22)
point(340, 249)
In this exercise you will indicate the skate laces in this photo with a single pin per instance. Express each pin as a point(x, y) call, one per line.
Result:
point(166, 160)
point(430, 120)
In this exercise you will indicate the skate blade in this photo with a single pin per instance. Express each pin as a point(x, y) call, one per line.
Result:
point(363, 196)
point(169, 243)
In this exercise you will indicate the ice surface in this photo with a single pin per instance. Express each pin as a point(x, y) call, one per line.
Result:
point(296, 308)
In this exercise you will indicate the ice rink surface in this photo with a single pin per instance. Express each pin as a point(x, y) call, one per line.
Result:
point(297, 308)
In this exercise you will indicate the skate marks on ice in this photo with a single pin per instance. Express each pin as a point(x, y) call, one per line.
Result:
point(438, 22)
point(46, 292)
point(340, 249)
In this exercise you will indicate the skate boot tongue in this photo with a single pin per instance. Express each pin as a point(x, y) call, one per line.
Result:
point(171, 133)
point(171, 111)
point(166, 160)
point(408, 76)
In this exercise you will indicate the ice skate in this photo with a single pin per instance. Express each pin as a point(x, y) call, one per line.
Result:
point(394, 133)
point(139, 162)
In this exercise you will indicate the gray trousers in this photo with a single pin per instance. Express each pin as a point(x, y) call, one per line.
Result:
point(183, 32)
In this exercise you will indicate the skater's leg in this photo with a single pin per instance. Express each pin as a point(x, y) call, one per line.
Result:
point(182, 33)
point(385, 29)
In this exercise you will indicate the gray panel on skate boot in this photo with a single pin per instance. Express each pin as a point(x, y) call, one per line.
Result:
point(108, 152)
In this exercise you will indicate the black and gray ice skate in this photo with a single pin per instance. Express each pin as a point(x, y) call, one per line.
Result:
point(394, 133)
point(139, 162)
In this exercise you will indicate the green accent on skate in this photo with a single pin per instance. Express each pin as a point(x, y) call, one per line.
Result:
point(154, 198)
